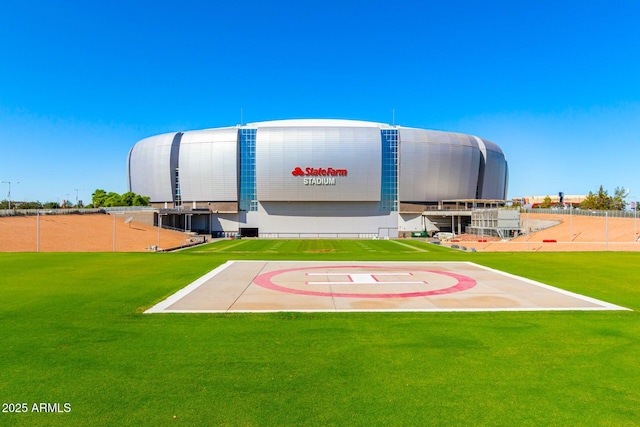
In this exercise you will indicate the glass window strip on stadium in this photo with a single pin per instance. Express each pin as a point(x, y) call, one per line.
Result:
point(247, 199)
point(178, 195)
point(389, 175)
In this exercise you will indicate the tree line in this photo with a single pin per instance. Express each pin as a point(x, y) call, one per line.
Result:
point(601, 200)
point(99, 199)
point(102, 199)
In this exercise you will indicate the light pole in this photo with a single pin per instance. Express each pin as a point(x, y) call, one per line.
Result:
point(528, 229)
point(76, 190)
point(37, 230)
point(570, 222)
point(634, 206)
point(606, 229)
point(114, 228)
point(635, 217)
point(9, 195)
point(159, 227)
point(482, 231)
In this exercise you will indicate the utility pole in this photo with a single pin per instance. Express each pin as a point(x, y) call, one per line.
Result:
point(76, 190)
point(9, 195)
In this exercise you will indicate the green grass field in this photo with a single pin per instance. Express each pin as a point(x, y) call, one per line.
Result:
point(73, 332)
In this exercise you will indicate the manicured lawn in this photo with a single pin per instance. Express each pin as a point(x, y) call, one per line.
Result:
point(73, 332)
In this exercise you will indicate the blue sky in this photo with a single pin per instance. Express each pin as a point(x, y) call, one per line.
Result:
point(555, 84)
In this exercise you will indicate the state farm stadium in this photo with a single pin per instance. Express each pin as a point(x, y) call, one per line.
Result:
point(316, 178)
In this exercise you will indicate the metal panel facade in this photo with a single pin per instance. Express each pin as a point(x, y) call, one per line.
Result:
point(152, 164)
point(208, 170)
point(437, 166)
point(494, 180)
point(318, 163)
point(291, 219)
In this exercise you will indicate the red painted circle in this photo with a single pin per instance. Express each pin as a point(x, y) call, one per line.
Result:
point(463, 283)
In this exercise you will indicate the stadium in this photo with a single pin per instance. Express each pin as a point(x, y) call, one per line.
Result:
point(316, 178)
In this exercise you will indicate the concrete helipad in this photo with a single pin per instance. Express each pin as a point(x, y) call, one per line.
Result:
point(266, 286)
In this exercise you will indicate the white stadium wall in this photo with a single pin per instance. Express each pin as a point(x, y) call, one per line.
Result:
point(494, 173)
point(314, 177)
point(341, 156)
point(320, 219)
point(437, 166)
point(151, 166)
point(207, 165)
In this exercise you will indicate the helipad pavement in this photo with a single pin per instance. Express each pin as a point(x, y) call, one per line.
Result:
point(266, 286)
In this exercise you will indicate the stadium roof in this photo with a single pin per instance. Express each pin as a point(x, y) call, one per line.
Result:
point(318, 122)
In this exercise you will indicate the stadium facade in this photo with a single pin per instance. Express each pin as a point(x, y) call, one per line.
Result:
point(313, 178)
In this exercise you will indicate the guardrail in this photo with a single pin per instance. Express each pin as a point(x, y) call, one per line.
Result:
point(33, 212)
point(583, 212)
point(130, 209)
point(74, 211)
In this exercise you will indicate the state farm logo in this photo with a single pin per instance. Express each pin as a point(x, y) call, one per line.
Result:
point(318, 172)
point(319, 176)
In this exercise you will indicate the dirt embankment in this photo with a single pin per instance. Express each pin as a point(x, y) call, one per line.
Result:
point(95, 233)
point(83, 233)
point(572, 233)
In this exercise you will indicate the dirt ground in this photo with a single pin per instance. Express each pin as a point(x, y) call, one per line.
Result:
point(83, 233)
point(572, 233)
point(95, 233)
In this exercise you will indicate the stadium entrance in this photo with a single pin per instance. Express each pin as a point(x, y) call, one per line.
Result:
point(248, 232)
